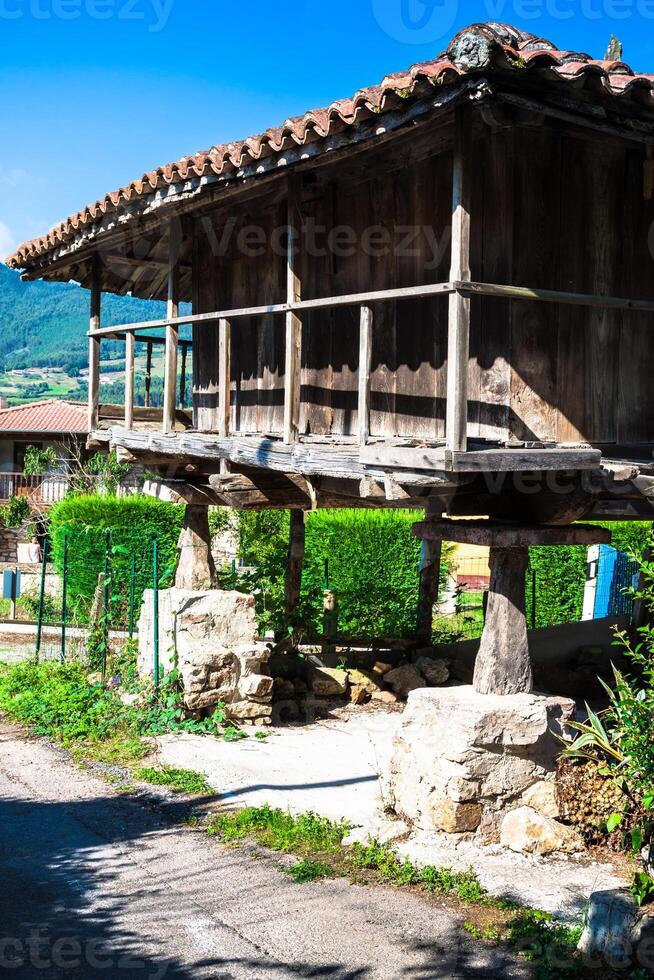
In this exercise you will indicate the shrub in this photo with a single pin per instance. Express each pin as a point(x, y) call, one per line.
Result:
point(132, 523)
point(373, 567)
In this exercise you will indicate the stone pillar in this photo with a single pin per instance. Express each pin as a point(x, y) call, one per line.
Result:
point(503, 663)
point(196, 570)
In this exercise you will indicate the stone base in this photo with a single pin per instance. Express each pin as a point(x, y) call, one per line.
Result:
point(462, 760)
point(212, 637)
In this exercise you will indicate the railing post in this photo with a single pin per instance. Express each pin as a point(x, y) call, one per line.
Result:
point(64, 599)
point(458, 349)
point(129, 380)
point(39, 623)
point(224, 377)
point(94, 346)
point(365, 361)
point(293, 368)
point(148, 374)
point(172, 334)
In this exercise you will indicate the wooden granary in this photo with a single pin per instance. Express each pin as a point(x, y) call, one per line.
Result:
point(435, 294)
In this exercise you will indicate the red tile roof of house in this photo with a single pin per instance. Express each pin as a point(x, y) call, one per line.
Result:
point(51, 415)
point(476, 50)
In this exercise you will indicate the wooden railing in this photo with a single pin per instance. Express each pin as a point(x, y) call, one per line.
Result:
point(45, 489)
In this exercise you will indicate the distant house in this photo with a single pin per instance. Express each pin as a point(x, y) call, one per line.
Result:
point(60, 424)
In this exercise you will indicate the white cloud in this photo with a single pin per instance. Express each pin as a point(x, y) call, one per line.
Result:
point(7, 241)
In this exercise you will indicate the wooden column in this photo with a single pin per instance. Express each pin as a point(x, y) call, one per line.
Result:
point(224, 376)
point(94, 347)
point(172, 336)
point(129, 380)
point(294, 563)
point(458, 352)
point(182, 379)
point(430, 569)
point(365, 361)
point(148, 374)
point(292, 375)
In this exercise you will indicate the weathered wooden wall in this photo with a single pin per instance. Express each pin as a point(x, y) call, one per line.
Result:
point(549, 210)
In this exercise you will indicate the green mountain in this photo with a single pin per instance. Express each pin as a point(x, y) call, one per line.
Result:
point(45, 324)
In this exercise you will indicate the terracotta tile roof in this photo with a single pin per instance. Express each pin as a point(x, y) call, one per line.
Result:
point(51, 415)
point(479, 48)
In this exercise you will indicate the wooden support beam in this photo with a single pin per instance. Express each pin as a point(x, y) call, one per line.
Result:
point(172, 334)
point(129, 381)
point(294, 563)
point(148, 374)
point(293, 368)
point(94, 347)
point(196, 570)
point(458, 352)
point(182, 380)
point(430, 569)
point(224, 377)
point(365, 362)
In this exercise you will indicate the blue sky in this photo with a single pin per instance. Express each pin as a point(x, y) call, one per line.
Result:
point(95, 92)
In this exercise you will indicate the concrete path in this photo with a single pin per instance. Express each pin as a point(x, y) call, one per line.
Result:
point(95, 884)
point(332, 767)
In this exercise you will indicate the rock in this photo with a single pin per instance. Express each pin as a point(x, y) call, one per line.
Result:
point(359, 678)
point(455, 818)
point(613, 918)
point(248, 711)
point(385, 697)
point(256, 686)
point(528, 832)
point(283, 690)
point(326, 682)
point(435, 672)
point(358, 695)
point(454, 744)
point(405, 679)
point(542, 798)
point(381, 669)
point(385, 833)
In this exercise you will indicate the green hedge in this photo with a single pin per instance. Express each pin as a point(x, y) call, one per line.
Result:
point(373, 567)
point(133, 522)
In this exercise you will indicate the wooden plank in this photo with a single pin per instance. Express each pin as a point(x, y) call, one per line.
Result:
point(326, 303)
point(525, 460)
point(224, 381)
point(94, 347)
point(293, 353)
point(129, 380)
point(172, 336)
point(458, 347)
point(488, 534)
point(148, 374)
point(527, 293)
point(430, 568)
point(365, 359)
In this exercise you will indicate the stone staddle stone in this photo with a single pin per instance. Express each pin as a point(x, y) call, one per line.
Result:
point(455, 747)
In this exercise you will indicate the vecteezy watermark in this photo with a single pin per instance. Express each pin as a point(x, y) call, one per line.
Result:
point(153, 14)
point(427, 21)
point(41, 951)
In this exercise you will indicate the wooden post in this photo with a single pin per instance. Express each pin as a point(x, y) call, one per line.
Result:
point(196, 570)
point(430, 569)
point(292, 375)
point(224, 377)
point(172, 335)
point(458, 352)
point(94, 347)
point(129, 380)
point(148, 374)
point(294, 563)
point(365, 361)
point(182, 380)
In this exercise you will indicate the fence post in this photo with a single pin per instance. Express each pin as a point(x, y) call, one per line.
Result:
point(64, 599)
point(105, 600)
point(132, 585)
point(39, 625)
point(155, 612)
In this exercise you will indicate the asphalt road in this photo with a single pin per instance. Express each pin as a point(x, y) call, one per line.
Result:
point(95, 884)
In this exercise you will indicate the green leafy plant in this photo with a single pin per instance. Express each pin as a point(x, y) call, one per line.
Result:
point(308, 870)
point(178, 780)
point(16, 513)
point(38, 461)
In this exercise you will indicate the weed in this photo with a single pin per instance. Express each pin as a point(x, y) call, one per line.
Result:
point(232, 734)
point(262, 736)
point(308, 870)
point(178, 780)
point(280, 831)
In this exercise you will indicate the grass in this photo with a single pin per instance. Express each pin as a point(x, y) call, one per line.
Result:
point(178, 780)
point(318, 843)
